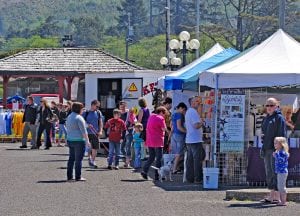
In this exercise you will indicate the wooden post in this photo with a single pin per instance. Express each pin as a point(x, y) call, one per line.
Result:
point(5, 83)
point(69, 86)
point(61, 80)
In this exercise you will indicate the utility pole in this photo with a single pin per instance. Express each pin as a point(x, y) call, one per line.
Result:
point(281, 13)
point(128, 36)
point(197, 24)
point(168, 28)
point(151, 17)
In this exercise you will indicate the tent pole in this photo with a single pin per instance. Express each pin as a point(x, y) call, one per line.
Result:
point(199, 87)
point(214, 146)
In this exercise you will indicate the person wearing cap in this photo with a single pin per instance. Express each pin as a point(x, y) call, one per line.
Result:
point(273, 126)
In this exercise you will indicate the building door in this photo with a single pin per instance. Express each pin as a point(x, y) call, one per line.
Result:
point(109, 94)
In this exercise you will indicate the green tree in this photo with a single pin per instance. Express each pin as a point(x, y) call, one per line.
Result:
point(244, 23)
point(35, 41)
point(148, 51)
point(88, 31)
point(50, 27)
point(135, 11)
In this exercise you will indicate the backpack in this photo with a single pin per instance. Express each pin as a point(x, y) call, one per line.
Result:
point(98, 113)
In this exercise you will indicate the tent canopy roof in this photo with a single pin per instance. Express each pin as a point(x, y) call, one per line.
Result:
point(217, 48)
point(188, 79)
point(267, 64)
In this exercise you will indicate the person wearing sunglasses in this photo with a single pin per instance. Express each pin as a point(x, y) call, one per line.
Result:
point(46, 121)
point(93, 118)
point(273, 125)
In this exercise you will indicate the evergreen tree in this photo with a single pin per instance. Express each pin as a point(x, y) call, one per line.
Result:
point(89, 30)
point(245, 23)
point(133, 13)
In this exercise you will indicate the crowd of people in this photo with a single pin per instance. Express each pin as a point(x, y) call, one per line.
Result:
point(147, 136)
point(136, 137)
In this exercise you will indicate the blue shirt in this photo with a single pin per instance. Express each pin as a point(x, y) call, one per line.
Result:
point(137, 140)
point(92, 117)
point(281, 161)
point(76, 127)
point(176, 116)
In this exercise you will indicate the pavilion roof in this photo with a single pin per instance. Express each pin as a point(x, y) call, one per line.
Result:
point(63, 61)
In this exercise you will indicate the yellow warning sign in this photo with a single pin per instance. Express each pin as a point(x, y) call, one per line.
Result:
point(132, 88)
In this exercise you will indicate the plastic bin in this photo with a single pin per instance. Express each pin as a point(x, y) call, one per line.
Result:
point(210, 178)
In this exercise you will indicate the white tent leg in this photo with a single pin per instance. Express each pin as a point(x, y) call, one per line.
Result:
point(214, 143)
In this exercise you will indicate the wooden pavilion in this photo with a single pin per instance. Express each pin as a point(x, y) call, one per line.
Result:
point(63, 64)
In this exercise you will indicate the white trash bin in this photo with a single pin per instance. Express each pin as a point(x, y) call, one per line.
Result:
point(210, 178)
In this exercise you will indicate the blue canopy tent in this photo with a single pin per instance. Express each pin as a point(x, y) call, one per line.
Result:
point(188, 80)
point(16, 98)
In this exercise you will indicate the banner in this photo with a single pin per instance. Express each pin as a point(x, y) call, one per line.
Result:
point(151, 87)
point(232, 123)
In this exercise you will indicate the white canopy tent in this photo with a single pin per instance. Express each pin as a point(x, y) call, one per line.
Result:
point(217, 48)
point(274, 62)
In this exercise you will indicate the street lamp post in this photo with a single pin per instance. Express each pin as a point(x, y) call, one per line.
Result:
point(183, 46)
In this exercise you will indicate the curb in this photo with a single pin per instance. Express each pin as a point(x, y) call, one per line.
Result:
point(259, 194)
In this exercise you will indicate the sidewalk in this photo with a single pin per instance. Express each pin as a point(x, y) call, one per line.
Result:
point(256, 194)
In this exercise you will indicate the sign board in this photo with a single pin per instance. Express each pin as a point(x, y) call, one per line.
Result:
point(232, 123)
point(131, 88)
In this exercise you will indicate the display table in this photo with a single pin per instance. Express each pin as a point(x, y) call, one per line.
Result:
point(256, 169)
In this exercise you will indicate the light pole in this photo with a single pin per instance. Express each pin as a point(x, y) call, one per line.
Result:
point(281, 13)
point(183, 46)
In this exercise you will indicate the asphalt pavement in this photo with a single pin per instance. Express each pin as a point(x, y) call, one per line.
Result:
point(33, 183)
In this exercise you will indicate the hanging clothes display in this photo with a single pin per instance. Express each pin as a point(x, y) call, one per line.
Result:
point(17, 123)
point(8, 122)
point(2, 123)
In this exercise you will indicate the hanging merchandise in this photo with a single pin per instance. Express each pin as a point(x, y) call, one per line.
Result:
point(2, 123)
point(18, 124)
point(8, 122)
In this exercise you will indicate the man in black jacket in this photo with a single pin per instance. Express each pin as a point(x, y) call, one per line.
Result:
point(273, 126)
point(29, 120)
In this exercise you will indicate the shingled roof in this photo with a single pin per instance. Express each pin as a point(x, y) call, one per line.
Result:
point(64, 60)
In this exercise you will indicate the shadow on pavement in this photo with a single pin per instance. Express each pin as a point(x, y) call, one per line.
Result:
point(133, 180)
point(15, 149)
point(57, 154)
point(256, 205)
point(66, 168)
point(46, 161)
point(176, 184)
point(98, 170)
point(52, 182)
